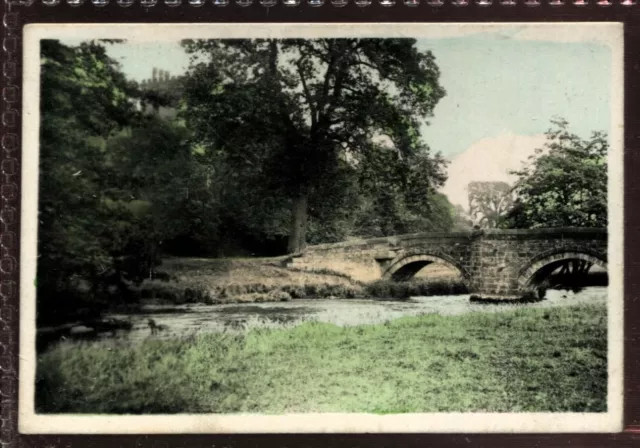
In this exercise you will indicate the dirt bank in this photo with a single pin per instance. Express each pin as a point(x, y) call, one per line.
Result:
point(221, 281)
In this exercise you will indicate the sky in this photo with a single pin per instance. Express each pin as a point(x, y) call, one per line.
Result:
point(502, 91)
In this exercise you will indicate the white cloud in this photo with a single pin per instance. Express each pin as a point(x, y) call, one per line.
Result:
point(489, 159)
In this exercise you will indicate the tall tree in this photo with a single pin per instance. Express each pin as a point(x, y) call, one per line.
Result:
point(564, 183)
point(84, 99)
point(489, 202)
point(313, 102)
point(166, 187)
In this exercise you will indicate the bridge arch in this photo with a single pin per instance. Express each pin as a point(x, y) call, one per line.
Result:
point(540, 267)
point(405, 266)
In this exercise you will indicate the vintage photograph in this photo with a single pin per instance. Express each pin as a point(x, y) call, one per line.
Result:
point(306, 221)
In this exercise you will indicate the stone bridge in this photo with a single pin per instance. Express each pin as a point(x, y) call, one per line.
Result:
point(494, 264)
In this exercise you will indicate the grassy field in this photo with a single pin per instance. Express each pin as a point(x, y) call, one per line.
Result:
point(526, 359)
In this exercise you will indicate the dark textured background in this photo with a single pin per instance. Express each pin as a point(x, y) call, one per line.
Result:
point(16, 16)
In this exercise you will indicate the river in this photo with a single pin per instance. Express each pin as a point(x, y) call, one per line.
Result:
point(191, 319)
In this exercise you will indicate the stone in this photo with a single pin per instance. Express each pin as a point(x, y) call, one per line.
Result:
point(495, 264)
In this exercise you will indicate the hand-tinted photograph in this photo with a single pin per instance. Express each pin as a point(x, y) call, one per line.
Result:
point(350, 224)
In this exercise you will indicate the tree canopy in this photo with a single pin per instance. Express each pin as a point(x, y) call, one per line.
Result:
point(259, 141)
point(84, 99)
point(489, 202)
point(263, 146)
point(302, 106)
point(564, 183)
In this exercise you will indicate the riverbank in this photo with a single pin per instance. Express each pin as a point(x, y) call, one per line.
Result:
point(525, 359)
point(201, 281)
point(223, 281)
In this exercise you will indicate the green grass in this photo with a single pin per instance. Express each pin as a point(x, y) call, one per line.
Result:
point(526, 359)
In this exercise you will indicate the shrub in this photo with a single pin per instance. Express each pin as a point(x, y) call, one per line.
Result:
point(279, 296)
point(295, 291)
point(352, 293)
point(402, 290)
point(311, 290)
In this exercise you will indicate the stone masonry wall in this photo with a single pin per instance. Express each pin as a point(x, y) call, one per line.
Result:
point(492, 263)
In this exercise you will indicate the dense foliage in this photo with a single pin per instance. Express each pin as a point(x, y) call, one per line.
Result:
point(261, 147)
point(124, 182)
point(564, 184)
point(84, 99)
point(295, 111)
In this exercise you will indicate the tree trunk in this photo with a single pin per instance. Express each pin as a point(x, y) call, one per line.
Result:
point(298, 231)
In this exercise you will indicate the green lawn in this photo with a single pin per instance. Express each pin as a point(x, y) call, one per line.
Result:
point(526, 359)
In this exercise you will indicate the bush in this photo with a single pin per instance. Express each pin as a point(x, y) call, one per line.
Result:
point(295, 291)
point(352, 293)
point(311, 290)
point(279, 296)
point(199, 292)
point(207, 289)
point(384, 289)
